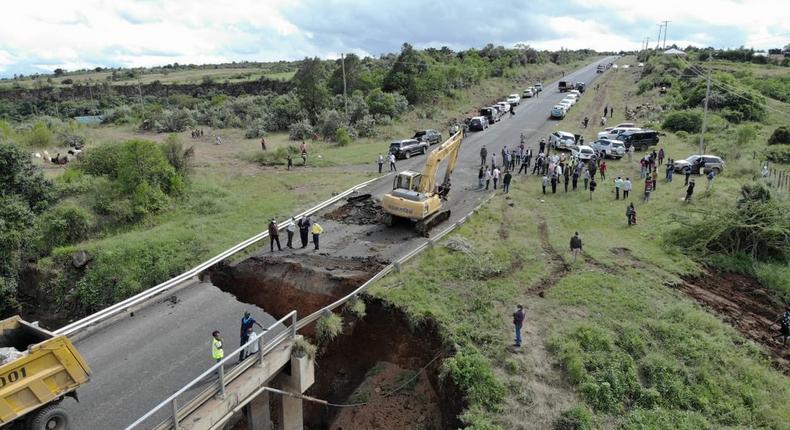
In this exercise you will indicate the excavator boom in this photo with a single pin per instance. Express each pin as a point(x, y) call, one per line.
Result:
point(448, 149)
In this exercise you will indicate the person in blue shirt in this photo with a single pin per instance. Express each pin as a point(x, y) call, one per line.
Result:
point(247, 321)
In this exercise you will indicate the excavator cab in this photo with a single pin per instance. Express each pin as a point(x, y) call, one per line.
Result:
point(407, 180)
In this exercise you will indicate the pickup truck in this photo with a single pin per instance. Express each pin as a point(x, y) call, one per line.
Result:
point(565, 86)
point(407, 147)
point(38, 369)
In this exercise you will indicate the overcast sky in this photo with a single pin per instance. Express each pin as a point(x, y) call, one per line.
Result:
point(41, 35)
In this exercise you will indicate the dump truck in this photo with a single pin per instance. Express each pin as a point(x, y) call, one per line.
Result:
point(416, 196)
point(38, 369)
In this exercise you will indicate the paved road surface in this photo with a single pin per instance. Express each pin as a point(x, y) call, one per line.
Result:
point(139, 361)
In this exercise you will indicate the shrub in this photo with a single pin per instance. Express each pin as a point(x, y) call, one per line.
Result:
point(177, 156)
point(302, 347)
point(300, 130)
point(342, 137)
point(778, 154)
point(329, 122)
point(575, 418)
point(472, 373)
point(328, 327)
point(688, 121)
point(366, 127)
point(173, 121)
point(63, 225)
point(356, 307)
point(257, 128)
point(39, 135)
point(120, 115)
point(780, 136)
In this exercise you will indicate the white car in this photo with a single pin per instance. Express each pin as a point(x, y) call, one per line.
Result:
point(624, 124)
point(641, 64)
point(576, 93)
point(562, 140)
point(582, 152)
point(566, 103)
point(514, 99)
point(615, 132)
point(572, 98)
point(626, 66)
point(611, 148)
point(527, 93)
point(504, 106)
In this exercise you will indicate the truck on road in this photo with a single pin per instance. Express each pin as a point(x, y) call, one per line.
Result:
point(38, 369)
point(565, 86)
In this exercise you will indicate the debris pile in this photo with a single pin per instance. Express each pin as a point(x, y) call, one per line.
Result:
point(360, 210)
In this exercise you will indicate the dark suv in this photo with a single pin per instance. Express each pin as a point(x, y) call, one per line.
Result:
point(639, 139)
point(407, 147)
point(431, 136)
point(491, 114)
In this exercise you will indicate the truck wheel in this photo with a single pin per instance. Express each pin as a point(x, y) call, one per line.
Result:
point(52, 417)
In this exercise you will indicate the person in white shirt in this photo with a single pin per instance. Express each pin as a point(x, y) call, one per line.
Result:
point(495, 175)
point(252, 348)
point(392, 163)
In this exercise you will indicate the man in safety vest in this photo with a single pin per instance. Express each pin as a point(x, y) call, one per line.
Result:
point(217, 353)
point(316, 230)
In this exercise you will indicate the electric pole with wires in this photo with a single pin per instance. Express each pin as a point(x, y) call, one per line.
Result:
point(705, 115)
point(345, 95)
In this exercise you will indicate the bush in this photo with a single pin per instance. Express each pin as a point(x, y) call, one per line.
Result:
point(303, 348)
point(300, 130)
point(780, 136)
point(173, 121)
point(257, 128)
point(356, 307)
point(342, 137)
point(63, 225)
point(688, 121)
point(575, 418)
point(329, 122)
point(177, 156)
point(472, 373)
point(778, 154)
point(39, 135)
point(328, 327)
point(366, 127)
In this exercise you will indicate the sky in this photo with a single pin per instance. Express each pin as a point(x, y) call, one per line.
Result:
point(38, 36)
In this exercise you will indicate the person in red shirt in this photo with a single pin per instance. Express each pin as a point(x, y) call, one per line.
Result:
point(602, 168)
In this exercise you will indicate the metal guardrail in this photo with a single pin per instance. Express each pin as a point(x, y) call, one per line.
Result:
point(218, 388)
point(113, 310)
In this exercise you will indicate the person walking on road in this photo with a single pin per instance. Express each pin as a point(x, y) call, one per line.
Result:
point(304, 230)
point(274, 235)
point(217, 353)
point(518, 322)
point(493, 160)
point(495, 176)
point(576, 246)
point(626, 187)
point(380, 162)
point(247, 322)
point(506, 181)
point(290, 230)
point(483, 155)
point(316, 229)
point(392, 163)
point(689, 191)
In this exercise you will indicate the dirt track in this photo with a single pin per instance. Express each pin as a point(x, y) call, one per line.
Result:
point(745, 305)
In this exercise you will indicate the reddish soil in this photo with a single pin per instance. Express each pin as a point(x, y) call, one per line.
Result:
point(413, 405)
point(745, 305)
point(299, 281)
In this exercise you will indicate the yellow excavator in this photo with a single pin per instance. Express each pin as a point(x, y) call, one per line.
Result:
point(417, 196)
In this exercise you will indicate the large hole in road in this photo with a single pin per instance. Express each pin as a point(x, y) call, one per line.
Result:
point(378, 361)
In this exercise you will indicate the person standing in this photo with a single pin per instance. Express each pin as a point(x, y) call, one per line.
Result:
point(670, 170)
point(626, 187)
point(263, 144)
point(290, 230)
point(380, 162)
point(542, 146)
point(630, 152)
point(661, 156)
point(316, 229)
point(481, 174)
point(784, 326)
point(518, 322)
point(711, 175)
point(602, 168)
point(586, 178)
point(524, 163)
point(593, 184)
point(575, 178)
point(648, 189)
point(217, 353)
point(553, 183)
point(493, 161)
point(392, 163)
point(274, 235)
point(247, 322)
point(303, 151)
point(567, 178)
point(654, 177)
point(689, 191)
point(506, 181)
point(630, 214)
point(495, 176)
point(489, 175)
point(483, 155)
point(687, 174)
point(544, 183)
point(304, 230)
point(605, 111)
point(289, 161)
point(576, 245)
point(611, 112)
point(252, 348)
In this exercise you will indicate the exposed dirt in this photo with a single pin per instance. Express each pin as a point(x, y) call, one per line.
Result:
point(391, 391)
point(344, 367)
point(744, 304)
point(304, 282)
point(358, 210)
point(559, 268)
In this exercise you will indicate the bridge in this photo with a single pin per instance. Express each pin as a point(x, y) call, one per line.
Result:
point(151, 353)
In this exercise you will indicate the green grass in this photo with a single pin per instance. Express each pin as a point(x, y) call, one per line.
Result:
point(637, 353)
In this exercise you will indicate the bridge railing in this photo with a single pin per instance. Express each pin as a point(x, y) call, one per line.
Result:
point(143, 297)
point(194, 393)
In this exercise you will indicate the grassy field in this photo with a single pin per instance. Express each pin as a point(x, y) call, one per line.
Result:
point(607, 343)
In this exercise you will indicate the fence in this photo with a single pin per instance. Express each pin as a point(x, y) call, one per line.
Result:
point(778, 178)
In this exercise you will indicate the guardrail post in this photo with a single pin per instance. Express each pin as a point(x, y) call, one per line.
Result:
point(396, 265)
point(175, 414)
point(293, 325)
point(260, 351)
point(221, 380)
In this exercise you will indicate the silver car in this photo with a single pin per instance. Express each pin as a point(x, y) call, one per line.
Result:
point(610, 147)
point(695, 163)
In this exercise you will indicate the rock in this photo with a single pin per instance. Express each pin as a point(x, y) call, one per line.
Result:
point(80, 258)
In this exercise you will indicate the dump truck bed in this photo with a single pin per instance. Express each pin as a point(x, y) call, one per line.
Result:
point(40, 368)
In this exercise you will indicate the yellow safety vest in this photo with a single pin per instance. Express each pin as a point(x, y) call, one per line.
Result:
point(216, 349)
point(317, 228)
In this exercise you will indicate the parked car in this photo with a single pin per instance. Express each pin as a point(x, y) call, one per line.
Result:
point(695, 162)
point(491, 114)
point(610, 147)
point(567, 103)
point(571, 98)
point(576, 93)
point(558, 112)
point(504, 107)
point(625, 125)
point(639, 139)
point(582, 152)
point(430, 135)
point(600, 68)
point(407, 147)
point(478, 123)
point(581, 86)
point(615, 132)
point(514, 99)
point(538, 86)
point(562, 140)
point(527, 93)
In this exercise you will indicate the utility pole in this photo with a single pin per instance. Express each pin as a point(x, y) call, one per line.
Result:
point(345, 95)
point(705, 116)
point(658, 41)
point(665, 32)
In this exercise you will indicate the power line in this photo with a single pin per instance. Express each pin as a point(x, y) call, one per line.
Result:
point(666, 23)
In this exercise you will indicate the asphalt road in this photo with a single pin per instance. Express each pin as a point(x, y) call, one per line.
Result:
point(139, 361)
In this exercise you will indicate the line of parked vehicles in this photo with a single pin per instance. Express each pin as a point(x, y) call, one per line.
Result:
point(574, 91)
point(490, 115)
